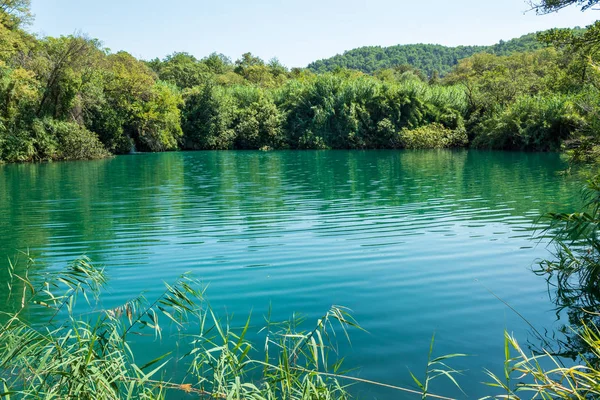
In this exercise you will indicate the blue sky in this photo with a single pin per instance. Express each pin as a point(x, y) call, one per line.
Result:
point(296, 32)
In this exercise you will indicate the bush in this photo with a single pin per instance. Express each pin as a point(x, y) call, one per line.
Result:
point(19, 145)
point(433, 136)
point(258, 122)
point(48, 139)
point(362, 112)
point(74, 142)
point(530, 123)
point(108, 122)
point(207, 119)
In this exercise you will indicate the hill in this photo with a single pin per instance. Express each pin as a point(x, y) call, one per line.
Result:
point(426, 57)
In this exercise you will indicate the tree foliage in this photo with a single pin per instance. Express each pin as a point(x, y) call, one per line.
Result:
point(60, 93)
point(549, 6)
point(15, 13)
point(429, 58)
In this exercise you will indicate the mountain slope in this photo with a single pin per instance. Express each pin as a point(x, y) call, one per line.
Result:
point(426, 57)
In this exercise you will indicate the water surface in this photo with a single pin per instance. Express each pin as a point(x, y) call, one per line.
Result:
point(410, 240)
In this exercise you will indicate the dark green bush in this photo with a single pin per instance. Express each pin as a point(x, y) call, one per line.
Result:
point(530, 123)
point(48, 139)
point(207, 119)
point(74, 141)
point(258, 123)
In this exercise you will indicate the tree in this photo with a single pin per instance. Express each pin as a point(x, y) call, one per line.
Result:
point(15, 13)
point(247, 61)
point(156, 120)
point(549, 6)
point(208, 115)
point(64, 65)
point(126, 85)
point(218, 63)
point(183, 70)
point(13, 40)
point(425, 57)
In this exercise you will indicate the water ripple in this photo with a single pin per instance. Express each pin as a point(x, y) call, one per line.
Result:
point(410, 240)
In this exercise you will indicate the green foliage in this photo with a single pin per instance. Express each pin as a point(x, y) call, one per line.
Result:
point(436, 367)
point(15, 13)
point(254, 70)
point(428, 58)
point(531, 101)
point(530, 123)
point(88, 355)
point(526, 377)
point(258, 123)
point(536, 100)
point(72, 141)
point(218, 64)
point(19, 90)
point(329, 111)
point(574, 274)
point(318, 112)
point(48, 139)
point(23, 144)
point(208, 115)
point(549, 6)
point(492, 81)
point(156, 120)
point(433, 136)
point(64, 66)
point(14, 41)
point(125, 88)
point(182, 70)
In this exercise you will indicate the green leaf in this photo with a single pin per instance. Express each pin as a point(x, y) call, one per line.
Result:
point(416, 380)
point(151, 363)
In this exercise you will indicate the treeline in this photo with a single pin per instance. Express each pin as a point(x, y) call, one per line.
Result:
point(69, 98)
point(432, 59)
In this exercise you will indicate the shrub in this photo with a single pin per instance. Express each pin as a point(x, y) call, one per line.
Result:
point(67, 141)
point(433, 136)
point(258, 122)
point(530, 123)
point(207, 118)
point(18, 145)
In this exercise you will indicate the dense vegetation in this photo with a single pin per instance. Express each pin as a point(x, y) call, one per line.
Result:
point(68, 98)
point(88, 355)
point(429, 58)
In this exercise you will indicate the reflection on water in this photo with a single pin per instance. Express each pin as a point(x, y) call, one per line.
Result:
point(409, 240)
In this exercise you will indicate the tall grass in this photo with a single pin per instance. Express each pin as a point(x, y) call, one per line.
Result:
point(88, 356)
point(574, 280)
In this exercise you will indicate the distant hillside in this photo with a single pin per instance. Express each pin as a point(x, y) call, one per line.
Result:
point(426, 57)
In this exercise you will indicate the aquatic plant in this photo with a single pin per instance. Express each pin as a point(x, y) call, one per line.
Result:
point(89, 355)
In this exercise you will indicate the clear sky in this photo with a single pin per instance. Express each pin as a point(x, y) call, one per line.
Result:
point(296, 32)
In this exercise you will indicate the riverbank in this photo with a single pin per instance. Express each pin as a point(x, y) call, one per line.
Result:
point(69, 98)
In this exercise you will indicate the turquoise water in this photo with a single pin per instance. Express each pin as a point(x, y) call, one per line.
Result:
point(411, 241)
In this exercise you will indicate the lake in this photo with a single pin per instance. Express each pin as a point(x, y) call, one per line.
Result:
point(412, 241)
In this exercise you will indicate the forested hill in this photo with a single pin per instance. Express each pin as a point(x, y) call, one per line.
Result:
point(426, 57)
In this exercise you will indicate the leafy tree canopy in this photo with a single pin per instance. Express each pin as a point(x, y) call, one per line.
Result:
point(15, 13)
point(429, 58)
